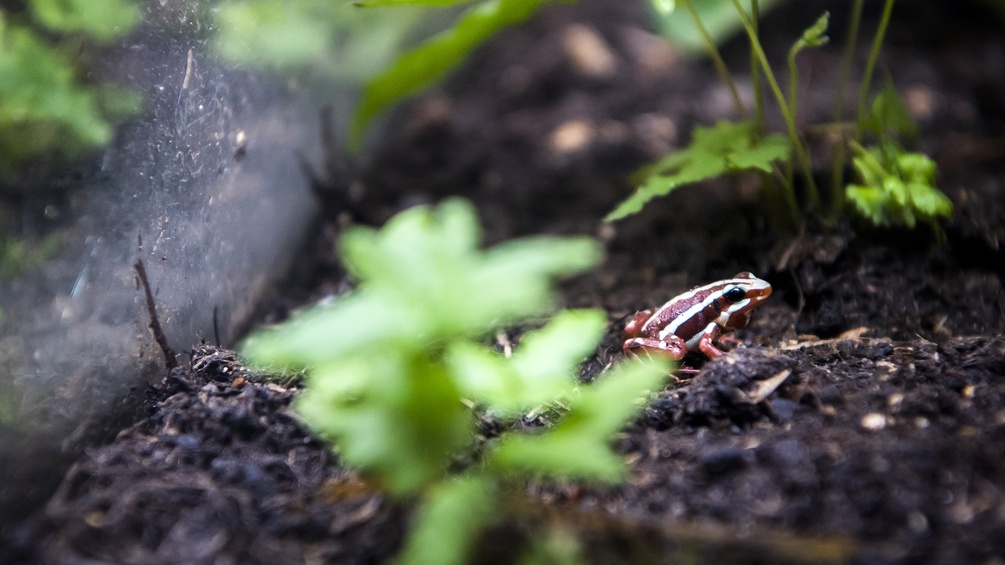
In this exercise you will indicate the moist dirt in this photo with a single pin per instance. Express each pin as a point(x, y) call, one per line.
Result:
point(862, 420)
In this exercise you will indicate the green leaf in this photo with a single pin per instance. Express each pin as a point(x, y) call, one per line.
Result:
point(896, 188)
point(398, 418)
point(44, 108)
point(543, 368)
point(564, 453)
point(422, 241)
point(664, 7)
point(917, 167)
point(869, 202)
point(889, 117)
point(457, 289)
point(356, 322)
point(102, 19)
point(431, 60)
point(773, 147)
point(278, 32)
point(423, 282)
point(726, 148)
point(578, 446)
point(378, 382)
point(548, 359)
point(868, 166)
point(449, 521)
point(929, 201)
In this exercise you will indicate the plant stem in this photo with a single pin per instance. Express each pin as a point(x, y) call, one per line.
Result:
point(877, 42)
point(844, 76)
point(713, 52)
point(793, 103)
point(790, 124)
point(788, 195)
point(755, 72)
point(780, 185)
point(793, 84)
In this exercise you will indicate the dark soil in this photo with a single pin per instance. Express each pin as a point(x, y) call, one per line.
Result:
point(862, 421)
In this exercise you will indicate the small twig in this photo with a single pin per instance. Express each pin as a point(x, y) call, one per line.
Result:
point(155, 324)
point(763, 389)
point(850, 335)
point(188, 71)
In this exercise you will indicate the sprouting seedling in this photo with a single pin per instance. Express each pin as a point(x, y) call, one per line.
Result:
point(741, 146)
point(896, 188)
point(46, 108)
point(390, 365)
point(887, 119)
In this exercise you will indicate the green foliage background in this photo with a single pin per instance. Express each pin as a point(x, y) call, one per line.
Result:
point(47, 107)
point(367, 43)
point(718, 17)
point(333, 40)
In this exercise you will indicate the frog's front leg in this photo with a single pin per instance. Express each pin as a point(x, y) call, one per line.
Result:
point(673, 347)
point(705, 342)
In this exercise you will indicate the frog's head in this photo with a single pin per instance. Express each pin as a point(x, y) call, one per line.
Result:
point(739, 296)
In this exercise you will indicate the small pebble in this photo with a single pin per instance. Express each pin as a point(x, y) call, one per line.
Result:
point(572, 136)
point(920, 101)
point(657, 133)
point(589, 52)
point(917, 522)
point(652, 52)
point(873, 421)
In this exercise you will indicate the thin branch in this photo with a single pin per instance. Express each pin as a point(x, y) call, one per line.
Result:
point(155, 324)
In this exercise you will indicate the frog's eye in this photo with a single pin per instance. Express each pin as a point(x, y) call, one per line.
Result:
point(734, 294)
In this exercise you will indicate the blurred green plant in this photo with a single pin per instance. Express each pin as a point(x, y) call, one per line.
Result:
point(427, 63)
point(726, 149)
point(391, 365)
point(359, 44)
point(18, 256)
point(103, 20)
point(47, 107)
point(895, 187)
point(334, 40)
